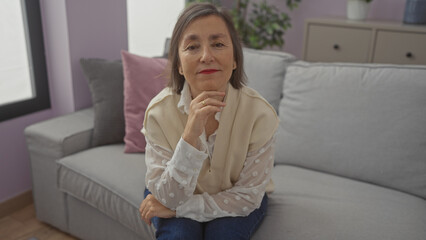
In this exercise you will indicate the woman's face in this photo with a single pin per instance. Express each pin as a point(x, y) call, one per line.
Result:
point(206, 55)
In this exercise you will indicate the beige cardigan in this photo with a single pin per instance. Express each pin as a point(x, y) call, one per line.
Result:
point(246, 124)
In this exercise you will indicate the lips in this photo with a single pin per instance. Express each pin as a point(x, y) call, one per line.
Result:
point(208, 71)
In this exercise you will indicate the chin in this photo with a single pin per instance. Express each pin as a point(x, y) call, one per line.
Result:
point(212, 84)
point(208, 86)
point(209, 89)
point(214, 87)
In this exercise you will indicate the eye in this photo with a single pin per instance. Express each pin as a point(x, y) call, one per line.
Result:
point(191, 47)
point(219, 45)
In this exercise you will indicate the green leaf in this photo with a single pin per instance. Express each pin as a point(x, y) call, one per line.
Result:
point(265, 24)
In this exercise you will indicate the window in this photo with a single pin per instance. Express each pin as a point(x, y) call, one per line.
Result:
point(140, 19)
point(23, 75)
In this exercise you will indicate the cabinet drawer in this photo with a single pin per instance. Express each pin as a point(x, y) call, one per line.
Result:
point(337, 44)
point(400, 48)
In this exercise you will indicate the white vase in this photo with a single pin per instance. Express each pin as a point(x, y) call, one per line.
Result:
point(357, 9)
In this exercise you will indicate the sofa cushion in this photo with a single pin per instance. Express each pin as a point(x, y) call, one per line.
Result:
point(110, 181)
point(143, 79)
point(265, 72)
point(105, 80)
point(360, 121)
point(309, 205)
point(87, 222)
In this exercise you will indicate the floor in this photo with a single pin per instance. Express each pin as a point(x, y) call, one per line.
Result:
point(23, 225)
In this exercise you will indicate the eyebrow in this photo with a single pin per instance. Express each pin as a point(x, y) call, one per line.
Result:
point(193, 37)
point(216, 36)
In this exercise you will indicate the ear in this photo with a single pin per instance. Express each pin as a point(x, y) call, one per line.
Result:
point(180, 70)
point(234, 66)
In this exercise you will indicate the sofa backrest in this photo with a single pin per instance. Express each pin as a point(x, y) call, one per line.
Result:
point(361, 121)
point(265, 72)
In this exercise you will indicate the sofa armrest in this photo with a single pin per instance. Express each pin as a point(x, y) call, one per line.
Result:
point(61, 136)
point(47, 142)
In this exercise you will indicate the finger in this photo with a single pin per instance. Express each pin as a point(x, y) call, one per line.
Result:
point(148, 217)
point(146, 220)
point(145, 215)
point(142, 206)
point(146, 204)
point(207, 110)
point(145, 211)
point(213, 102)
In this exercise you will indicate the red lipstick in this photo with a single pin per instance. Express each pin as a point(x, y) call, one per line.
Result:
point(208, 71)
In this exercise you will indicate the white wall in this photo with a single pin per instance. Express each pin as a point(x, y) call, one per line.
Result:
point(149, 23)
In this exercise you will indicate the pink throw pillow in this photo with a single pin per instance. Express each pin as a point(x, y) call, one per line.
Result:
point(143, 79)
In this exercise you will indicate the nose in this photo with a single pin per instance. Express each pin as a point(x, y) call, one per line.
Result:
point(207, 55)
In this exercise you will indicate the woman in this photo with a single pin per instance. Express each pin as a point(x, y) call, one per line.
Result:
point(210, 139)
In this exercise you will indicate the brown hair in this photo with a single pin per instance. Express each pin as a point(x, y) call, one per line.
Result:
point(191, 13)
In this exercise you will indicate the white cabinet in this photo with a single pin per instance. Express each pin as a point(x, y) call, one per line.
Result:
point(342, 40)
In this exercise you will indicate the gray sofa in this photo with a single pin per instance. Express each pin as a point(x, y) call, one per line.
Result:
point(350, 158)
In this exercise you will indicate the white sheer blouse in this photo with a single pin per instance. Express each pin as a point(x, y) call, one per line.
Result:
point(172, 177)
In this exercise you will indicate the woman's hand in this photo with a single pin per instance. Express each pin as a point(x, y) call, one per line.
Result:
point(201, 108)
point(151, 207)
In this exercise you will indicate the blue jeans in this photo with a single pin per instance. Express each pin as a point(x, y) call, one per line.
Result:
point(219, 228)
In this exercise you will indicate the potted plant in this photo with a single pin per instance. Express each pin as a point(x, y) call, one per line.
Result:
point(358, 9)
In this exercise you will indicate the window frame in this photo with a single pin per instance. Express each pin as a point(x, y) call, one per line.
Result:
point(36, 52)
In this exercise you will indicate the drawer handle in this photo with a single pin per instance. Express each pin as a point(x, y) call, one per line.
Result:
point(336, 46)
point(409, 55)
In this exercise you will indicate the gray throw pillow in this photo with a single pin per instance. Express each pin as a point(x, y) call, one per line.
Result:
point(105, 80)
point(265, 72)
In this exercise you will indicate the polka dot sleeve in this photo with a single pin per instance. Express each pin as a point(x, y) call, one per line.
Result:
point(172, 177)
point(240, 200)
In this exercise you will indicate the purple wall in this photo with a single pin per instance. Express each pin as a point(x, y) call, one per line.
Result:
point(15, 175)
point(72, 30)
point(98, 28)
